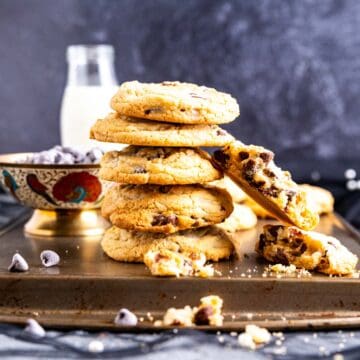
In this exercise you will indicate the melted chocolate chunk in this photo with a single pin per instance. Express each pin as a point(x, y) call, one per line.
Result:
point(272, 191)
point(266, 156)
point(147, 111)
point(281, 257)
point(303, 248)
point(221, 158)
point(202, 317)
point(295, 243)
point(249, 170)
point(269, 173)
point(262, 242)
point(258, 184)
point(243, 155)
point(273, 230)
point(139, 170)
point(160, 220)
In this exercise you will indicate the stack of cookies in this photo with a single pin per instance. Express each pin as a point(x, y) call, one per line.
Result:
point(162, 209)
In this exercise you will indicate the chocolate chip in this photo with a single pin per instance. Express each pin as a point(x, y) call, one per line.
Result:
point(273, 230)
point(249, 170)
point(303, 248)
point(139, 170)
point(147, 111)
point(266, 156)
point(222, 158)
point(221, 132)
point(195, 224)
point(259, 184)
point(18, 264)
point(49, 258)
point(295, 243)
point(160, 220)
point(262, 242)
point(243, 155)
point(289, 194)
point(125, 318)
point(272, 191)
point(202, 317)
point(269, 173)
point(281, 257)
point(34, 328)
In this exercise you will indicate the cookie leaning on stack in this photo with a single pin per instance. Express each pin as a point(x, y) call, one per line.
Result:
point(161, 177)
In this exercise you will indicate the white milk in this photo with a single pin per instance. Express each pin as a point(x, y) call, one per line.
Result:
point(91, 83)
point(81, 107)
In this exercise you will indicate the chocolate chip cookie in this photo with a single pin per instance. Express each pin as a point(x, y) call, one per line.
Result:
point(177, 102)
point(127, 130)
point(131, 246)
point(305, 249)
point(158, 165)
point(167, 208)
point(253, 168)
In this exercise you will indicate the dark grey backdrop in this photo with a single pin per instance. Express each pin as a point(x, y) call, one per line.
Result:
point(294, 66)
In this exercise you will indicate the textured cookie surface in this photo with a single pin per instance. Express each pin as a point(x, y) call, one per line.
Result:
point(167, 208)
point(175, 102)
point(127, 130)
point(158, 165)
point(305, 249)
point(131, 246)
point(253, 168)
point(319, 199)
point(242, 218)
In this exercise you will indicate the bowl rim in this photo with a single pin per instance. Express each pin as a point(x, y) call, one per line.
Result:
point(41, 166)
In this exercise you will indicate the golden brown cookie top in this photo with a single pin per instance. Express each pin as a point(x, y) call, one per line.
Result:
point(158, 165)
point(173, 101)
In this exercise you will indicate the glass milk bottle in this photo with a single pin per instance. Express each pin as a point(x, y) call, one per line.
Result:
point(91, 83)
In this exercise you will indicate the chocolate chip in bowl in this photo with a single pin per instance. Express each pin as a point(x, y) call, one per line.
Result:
point(61, 185)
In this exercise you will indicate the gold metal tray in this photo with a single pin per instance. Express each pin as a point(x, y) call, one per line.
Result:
point(88, 288)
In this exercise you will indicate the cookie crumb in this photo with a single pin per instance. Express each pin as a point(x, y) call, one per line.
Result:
point(207, 313)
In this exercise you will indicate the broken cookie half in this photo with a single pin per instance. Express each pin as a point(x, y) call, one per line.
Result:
point(165, 262)
point(253, 169)
point(305, 249)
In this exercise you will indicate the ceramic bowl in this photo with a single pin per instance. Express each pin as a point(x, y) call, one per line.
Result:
point(52, 187)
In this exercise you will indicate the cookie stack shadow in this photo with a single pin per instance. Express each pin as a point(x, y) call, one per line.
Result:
point(162, 209)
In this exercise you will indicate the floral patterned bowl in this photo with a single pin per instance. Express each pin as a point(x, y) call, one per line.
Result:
point(66, 198)
point(49, 187)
